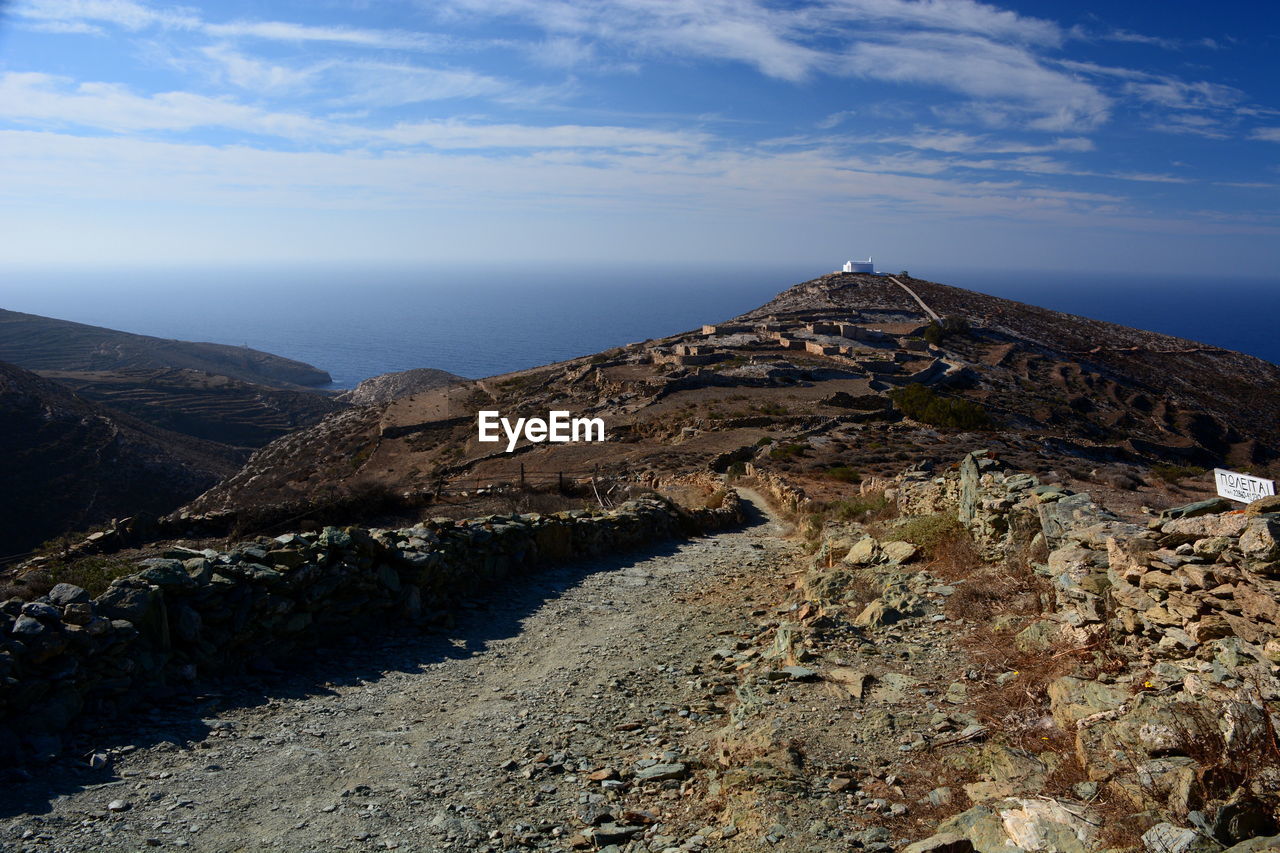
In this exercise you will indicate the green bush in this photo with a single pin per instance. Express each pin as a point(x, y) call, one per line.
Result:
point(929, 531)
point(1175, 473)
point(764, 441)
point(93, 574)
point(860, 508)
point(921, 403)
point(788, 452)
point(843, 473)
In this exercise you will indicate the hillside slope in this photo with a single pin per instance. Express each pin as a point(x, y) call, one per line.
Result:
point(68, 464)
point(204, 405)
point(45, 343)
point(809, 383)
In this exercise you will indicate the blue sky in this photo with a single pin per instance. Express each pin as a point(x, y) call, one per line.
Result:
point(1129, 135)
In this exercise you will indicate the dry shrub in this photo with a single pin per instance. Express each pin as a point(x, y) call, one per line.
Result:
point(954, 557)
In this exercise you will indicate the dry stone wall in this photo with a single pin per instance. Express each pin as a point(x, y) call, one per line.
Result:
point(191, 613)
point(1185, 609)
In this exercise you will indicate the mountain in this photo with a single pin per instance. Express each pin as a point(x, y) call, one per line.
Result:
point(68, 464)
point(847, 375)
point(44, 343)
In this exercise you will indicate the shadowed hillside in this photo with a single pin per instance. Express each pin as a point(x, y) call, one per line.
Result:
point(68, 464)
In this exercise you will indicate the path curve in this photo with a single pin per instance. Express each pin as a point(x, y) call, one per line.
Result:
point(474, 739)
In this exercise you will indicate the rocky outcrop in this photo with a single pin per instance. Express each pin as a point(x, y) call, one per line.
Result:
point(393, 386)
point(190, 613)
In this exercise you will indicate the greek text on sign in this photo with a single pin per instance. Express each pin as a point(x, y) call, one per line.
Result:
point(1242, 487)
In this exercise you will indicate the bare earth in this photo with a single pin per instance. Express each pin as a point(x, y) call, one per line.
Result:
point(480, 737)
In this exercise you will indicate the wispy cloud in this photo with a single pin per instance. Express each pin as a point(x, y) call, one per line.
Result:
point(86, 15)
point(46, 100)
point(1004, 76)
point(1267, 134)
point(1193, 124)
point(1176, 94)
point(1131, 37)
point(957, 142)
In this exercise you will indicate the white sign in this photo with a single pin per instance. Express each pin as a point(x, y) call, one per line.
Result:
point(1242, 487)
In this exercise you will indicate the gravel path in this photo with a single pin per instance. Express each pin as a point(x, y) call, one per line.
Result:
point(542, 712)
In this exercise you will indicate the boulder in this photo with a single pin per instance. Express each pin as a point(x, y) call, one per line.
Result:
point(1072, 699)
point(1204, 526)
point(1167, 838)
point(875, 614)
point(865, 552)
point(1198, 508)
point(896, 553)
point(63, 594)
point(1271, 503)
point(1261, 539)
point(1047, 825)
point(943, 842)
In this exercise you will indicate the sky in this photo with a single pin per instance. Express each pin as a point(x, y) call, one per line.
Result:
point(1132, 136)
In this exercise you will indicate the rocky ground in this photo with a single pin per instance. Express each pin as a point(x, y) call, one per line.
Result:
point(580, 704)
point(884, 684)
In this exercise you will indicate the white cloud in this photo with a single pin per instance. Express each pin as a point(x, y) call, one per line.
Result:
point(1176, 94)
point(1130, 37)
point(1267, 134)
point(137, 16)
point(246, 72)
point(835, 119)
point(1003, 77)
point(122, 13)
point(382, 84)
point(956, 142)
point(45, 100)
point(285, 31)
point(1192, 124)
point(64, 168)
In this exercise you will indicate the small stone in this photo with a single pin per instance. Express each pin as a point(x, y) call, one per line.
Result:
point(119, 806)
point(662, 772)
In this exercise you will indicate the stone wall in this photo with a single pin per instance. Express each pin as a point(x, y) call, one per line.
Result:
point(1182, 618)
point(191, 613)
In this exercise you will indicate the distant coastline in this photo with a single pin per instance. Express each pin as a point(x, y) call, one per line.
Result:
point(479, 322)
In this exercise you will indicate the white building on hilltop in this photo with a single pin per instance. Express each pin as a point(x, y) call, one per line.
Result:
point(860, 266)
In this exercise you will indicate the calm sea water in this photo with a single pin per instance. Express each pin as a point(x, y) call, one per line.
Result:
point(478, 322)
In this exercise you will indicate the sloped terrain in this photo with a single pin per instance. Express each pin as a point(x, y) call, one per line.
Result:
point(204, 405)
point(69, 464)
point(45, 343)
point(808, 383)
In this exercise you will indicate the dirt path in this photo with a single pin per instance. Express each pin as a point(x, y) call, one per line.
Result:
point(933, 315)
point(507, 732)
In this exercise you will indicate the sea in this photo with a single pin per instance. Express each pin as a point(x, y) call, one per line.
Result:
point(479, 321)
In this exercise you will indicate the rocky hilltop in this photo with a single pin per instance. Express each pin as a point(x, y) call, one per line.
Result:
point(392, 386)
point(845, 371)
